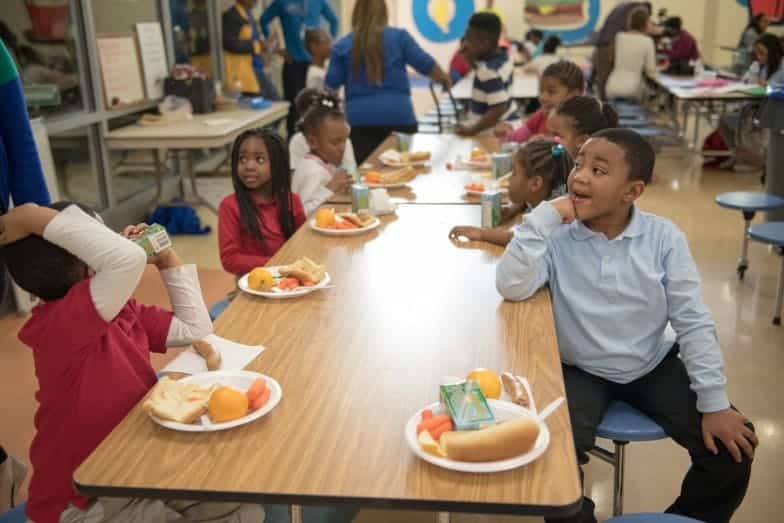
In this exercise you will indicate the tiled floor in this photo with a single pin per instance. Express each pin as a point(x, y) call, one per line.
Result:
point(753, 348)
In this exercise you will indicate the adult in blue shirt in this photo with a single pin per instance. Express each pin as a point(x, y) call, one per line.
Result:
point(296, 16)
point(371, 63)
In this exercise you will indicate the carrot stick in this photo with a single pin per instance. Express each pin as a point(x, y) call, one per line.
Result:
point(427, 414)
point(432, 423)
point(261, 400)
point(444, 427)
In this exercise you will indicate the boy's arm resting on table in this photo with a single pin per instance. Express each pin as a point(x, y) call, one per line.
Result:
point(118, 262)
point(696, 331)
point(232, 258)
point(524, 267)
point(488, 120)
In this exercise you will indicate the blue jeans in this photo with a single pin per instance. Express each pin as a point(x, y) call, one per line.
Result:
point(268, 89)
point(313, 514)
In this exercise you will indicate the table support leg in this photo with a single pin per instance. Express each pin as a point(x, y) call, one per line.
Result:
point(743, 262)
point(779, 292)
point(443, 517)
point(295, 514)
point(694, 144)
point(189, 173)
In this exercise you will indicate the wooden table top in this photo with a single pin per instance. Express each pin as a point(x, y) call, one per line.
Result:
point(203, 130)
point(355, 362)
point(434, 184)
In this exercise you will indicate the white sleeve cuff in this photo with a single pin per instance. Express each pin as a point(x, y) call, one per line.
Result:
point(712, 400)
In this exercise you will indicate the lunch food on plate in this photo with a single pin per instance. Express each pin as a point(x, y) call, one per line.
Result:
point(258, 394)
point(514, 389)
point(305, 270)
point(325, 218)
point(488, 381)
point(260, 279)
point(478, 155)
point(227, 404)
point(176, 401)
point(418, 156)
point(503, 441)
point(329, 219)
point(210, 354)
point(406, 174)
point(475, 187)
point(466, 405)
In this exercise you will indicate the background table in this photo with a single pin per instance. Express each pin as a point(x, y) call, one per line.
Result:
point(435, 184)
point(212, 130)
point(355, 362)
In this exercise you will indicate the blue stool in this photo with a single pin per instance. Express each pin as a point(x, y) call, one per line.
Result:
point(652, 517)
point(772, 233)
point(217, 309)
point(749, 203)
point(623, 423)
point(15, 515)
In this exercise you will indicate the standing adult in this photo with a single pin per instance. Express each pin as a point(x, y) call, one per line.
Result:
point(604, 53)
point(295, 17)
point(371, 63)
point(243, 45)
point(635, 58)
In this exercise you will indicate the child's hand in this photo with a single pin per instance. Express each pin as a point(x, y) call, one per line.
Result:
point(166, 260)
point(133, 232)
point(730, 427)
point(340, 181)
point(473, 234)
point(502, 130)
point(14, 225)
point(565, 207)
point(463, 130)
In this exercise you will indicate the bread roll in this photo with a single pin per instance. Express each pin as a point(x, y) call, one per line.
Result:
point(503, 441)
point(211, 356)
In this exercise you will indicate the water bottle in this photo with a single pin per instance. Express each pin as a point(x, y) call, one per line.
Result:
point(752, 76)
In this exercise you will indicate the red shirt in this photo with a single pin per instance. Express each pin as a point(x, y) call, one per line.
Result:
point(239, 251)
point(536, 124)
point(90, 373)
point(459, 65)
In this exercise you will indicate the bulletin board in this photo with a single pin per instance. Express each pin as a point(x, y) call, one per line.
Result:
point(120, 69)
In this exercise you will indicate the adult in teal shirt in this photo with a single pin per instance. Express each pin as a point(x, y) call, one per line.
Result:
point(370, 62)
point(296, 16)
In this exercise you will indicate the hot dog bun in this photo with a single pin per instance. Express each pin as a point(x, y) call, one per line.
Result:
point(503, 441)
point(418, 156)
point(211, 356)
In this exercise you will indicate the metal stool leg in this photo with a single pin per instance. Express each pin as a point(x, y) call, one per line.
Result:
point(779, 292)
point(295, 514)
point(743, 262)
point(620, 458)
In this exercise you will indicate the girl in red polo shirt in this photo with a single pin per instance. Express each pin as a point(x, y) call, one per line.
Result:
point(255, 221)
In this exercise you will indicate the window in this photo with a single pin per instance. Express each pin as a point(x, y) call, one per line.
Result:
point(40, 34)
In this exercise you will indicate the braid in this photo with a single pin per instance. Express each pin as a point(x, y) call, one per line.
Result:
point(548, 160)
point(568, 73)
point(587, 114)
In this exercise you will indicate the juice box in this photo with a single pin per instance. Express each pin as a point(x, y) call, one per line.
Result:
point(491, 209)
point(154, 240)
point(466, 405)
point(502, 164)
point(403, 142)
point(360, 198)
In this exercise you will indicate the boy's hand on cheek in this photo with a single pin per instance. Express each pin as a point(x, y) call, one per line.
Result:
point(730, 427)
point(565, 207)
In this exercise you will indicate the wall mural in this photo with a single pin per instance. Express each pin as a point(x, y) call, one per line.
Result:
point(442, 20)
point(572, 20)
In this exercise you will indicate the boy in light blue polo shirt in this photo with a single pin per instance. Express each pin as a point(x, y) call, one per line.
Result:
point(618, 276)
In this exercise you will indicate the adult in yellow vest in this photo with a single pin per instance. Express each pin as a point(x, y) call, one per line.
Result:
point(243, 45)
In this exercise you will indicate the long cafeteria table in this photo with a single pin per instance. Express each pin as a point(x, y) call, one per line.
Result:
point(355, 362)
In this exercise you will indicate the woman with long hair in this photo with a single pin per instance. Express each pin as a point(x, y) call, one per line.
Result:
point(370, 62)
point(757, 26)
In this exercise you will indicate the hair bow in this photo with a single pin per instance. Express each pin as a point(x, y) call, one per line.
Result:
point(327, 103)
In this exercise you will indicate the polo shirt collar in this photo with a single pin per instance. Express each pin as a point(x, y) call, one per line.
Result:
point(635, 228)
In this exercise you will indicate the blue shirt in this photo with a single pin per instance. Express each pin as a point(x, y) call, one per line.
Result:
point(493, 84)
point(613, 299)
point(296, 16)
point(388, 104)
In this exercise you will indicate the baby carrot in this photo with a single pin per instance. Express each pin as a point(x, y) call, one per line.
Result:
point(261, 400)
point(256, 389)
point(427, 414)
point(444, 427)
point(432, 423)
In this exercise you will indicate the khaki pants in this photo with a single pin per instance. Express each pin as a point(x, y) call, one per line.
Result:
point(603, 58)
point(120, 510)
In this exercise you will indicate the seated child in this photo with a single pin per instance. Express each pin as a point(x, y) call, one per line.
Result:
point(298, 146)
point(319, 45)
point(575, 119)
point(91, 346)
point(684, 46)
point(539, 173)
point(560, 81)
point(531, 46)
point(548, 56)
point(255, 221)
point(491, 99)
point(618, 276)
point(318, 175)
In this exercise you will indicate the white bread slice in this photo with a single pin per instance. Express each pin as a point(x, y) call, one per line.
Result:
point(305, 270)
point(176, 401)
point(356, 219)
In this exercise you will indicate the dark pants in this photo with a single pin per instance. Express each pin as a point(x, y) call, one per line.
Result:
point(713, 487)
point(366, 139)
point(295, 75)
point(312, 514)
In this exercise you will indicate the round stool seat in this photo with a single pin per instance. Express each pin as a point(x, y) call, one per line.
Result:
point(15, 515)
point(651, 517)
point(217, 309)
point(622, 422)
point(769, 232)
point(750, 201)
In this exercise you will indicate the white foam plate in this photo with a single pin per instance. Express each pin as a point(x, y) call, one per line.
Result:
point(487, 164)
point(391, 163)
point(238, 379)
point(479, 193)
point(503, 411)
point(282, 295)
point(344, 232)
point(387, 185)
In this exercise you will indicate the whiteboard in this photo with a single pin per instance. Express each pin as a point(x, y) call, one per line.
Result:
point(153, 55)
point(122, 78)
